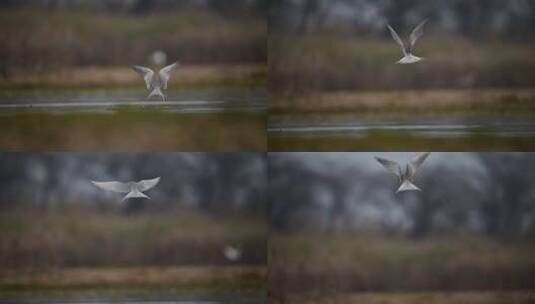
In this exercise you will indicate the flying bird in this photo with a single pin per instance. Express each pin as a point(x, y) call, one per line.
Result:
point(408, 56)
point(405, 178)
point(133, 189)
point(232, 253)
point(156, 83)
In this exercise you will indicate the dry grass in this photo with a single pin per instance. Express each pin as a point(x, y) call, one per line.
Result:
point(243, 276)
point(133, 130)
point(488, 100)
point(326, 266)
point(400, 141)
point(186, 76)
point(39, 41)
point(32, 241)
point(483, 297)
point(76, 251)
point(337, 62)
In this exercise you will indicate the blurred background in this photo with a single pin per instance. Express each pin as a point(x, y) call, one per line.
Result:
point(332, 63)
point(340, 234)
point(75, 58)
point(344, 44)
point(60, 232)
point(42, 36)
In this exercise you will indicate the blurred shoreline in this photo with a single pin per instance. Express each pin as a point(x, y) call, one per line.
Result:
point(186, 77)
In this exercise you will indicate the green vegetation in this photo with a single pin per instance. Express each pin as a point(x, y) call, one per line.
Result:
point(134, 130)
point(477, 297)
point(141, 282)
point(400, 141)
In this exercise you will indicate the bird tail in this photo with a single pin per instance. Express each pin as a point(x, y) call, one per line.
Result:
point(134, 194)
point(157, 92)
point(406, 185)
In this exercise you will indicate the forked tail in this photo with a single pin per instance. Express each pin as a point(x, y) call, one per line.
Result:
point(134, 194)
point(157, 92)
point(406, 185)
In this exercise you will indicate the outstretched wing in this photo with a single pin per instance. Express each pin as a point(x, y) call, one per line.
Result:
point(165, 74)
point(416, 162)
point(146, 184)
point(417, 33)
point(390, 165)
point(113, 186)
point(146, 73)
point(397, 39)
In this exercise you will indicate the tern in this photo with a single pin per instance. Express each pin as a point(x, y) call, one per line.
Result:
point(232, 253)
point(408, 56)
point(158, 83)
point(133, 189)
point(405, 178)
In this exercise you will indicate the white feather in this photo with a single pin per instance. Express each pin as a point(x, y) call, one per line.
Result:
point(165, 74)
point(113, 186)
point(133, 189)
point(146, 73)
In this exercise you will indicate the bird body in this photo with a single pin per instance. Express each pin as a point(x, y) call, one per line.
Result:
point(232, 253)
point(408, 56)
point(406, 177)
point(132, 189)
point(156, 83)
point(408, 59)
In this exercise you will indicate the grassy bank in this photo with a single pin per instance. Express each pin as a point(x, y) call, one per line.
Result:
point(78, 252)
point(478, 297)
point(400, 141)
point(324, 267)
point(413, 106)
point(185, 77)
point(221, 283)
point(134, 130)
point(172, 279)
point(407, 103)
point(34, 240)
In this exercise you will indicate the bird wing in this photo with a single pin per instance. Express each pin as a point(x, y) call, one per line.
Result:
point(390, 165)
point(146, 184)
point(397, 39)
point(146, 73)
point(113, 186)
point(416, 162)
point(165, 74)
point(417, 33)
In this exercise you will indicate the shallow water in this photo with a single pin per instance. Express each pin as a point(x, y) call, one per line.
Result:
point(190, 101)
point(504, 127)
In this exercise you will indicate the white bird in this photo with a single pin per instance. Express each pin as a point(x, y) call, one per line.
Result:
point(232, 253)
point(408, 56)
point(133, 189)
point(156, 83)
point(405, 178)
